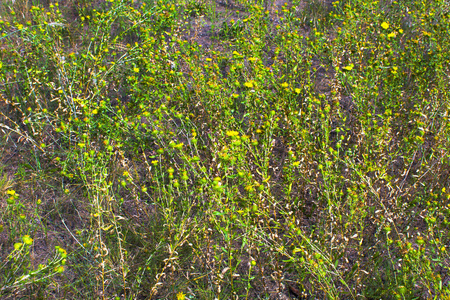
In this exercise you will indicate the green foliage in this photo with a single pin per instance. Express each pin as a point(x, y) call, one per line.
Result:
point(237, 149)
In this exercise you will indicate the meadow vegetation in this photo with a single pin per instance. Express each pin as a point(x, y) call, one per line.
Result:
point(235, 149)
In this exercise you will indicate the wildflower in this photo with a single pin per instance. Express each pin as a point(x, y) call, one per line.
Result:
point(181, 296)
point(27, 239)
point(11, 192)
point(61, 251)
point(385, 25)
point(394, 70)
point(284, 84)
point(59, 269)
point(349, 67)
point(392, 34)
point(232, 133)
point(248, 84)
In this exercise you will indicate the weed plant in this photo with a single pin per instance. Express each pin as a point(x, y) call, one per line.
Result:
point(202, 149)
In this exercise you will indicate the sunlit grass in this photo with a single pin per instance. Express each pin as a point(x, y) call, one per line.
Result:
point(224, 150)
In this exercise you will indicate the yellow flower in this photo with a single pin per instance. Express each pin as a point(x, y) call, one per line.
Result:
point(249, 84)
point(385, 25)
point(349, 67)
point(27, 239)
point(62, 251)
point(392, 34)
point(181, 296)
point(59, 269)
point(232, 133)
point(285, 84)
point(11, 192)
